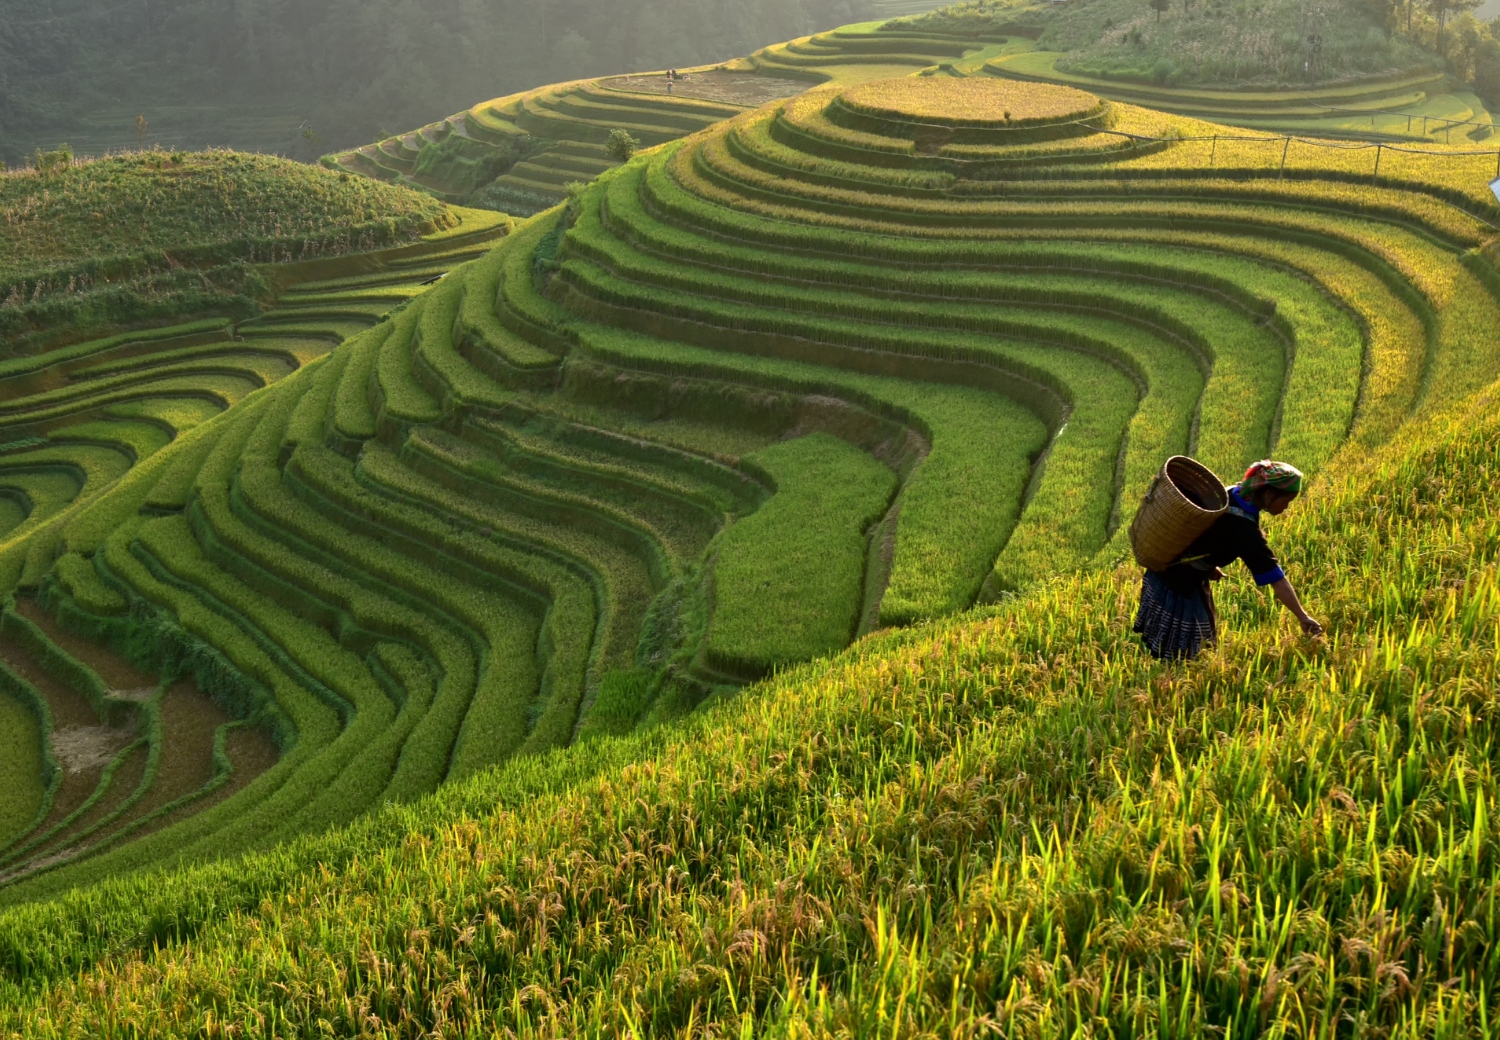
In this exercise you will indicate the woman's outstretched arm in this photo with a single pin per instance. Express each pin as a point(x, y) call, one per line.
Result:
point(1288, 597)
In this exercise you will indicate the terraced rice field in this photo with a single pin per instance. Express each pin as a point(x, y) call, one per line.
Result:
point(480, 515)
point(142, 725)
point(870, 50)
point(561, 131)
point(852, 360)
point(542, 140)
point(1418, 105)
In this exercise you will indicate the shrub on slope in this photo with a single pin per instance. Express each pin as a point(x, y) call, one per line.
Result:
point(1209, 41)
point(106, 239)
point(1014, 821)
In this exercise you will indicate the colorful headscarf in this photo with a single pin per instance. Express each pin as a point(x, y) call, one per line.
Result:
point(1281, 476)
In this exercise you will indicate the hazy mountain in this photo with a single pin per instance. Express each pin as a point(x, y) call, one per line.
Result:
point(263, 73)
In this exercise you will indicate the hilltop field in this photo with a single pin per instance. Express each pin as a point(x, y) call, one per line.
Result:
point(139, 236)
point(699, 604)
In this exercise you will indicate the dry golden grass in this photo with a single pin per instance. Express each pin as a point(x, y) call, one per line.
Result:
point(970, 102)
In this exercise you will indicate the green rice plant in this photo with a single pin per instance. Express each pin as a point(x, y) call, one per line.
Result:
point(207, 330)
point(353, 415)
point(572, 650)
point(1373, 239)
point(1327, 358)
point(176, 414)
point(256, 368)
point(487, 717)
point(698, 482)
point(971, 480)
point(906, 809)
point(789, 578)
point(165, 359)
point(82, 583)
point(439, 364)
point(713, 159)
point(259, 482)
point(520, 306)
point(1103, 401)
point(394, 390)
point(479, 473)
point(22, 784)
point(755, 143)
point(479, 325)
point(308, 423)
point(684, 521)
point(137, 440)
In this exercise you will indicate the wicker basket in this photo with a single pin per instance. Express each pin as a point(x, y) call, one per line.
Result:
point(1184, 500)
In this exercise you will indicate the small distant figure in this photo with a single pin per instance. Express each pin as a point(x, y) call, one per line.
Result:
point(671, 79)
point(1177, 615)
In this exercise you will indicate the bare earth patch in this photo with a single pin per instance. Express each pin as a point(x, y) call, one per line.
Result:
point(81, 748)
point(733, 88)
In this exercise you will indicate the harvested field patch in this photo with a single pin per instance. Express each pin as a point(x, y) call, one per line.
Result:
point(970, 102)
point(733, 88)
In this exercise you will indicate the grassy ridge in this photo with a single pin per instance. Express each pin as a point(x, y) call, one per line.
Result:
point(124, 205)
point(147, 236)
point(992, 808)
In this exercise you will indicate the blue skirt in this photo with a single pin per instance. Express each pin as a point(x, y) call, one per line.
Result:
point(1173, 625)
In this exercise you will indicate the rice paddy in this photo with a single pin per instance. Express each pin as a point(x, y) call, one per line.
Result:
point(698, 608)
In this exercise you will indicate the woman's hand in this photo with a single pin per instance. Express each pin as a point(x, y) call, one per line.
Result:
point(1288, 597)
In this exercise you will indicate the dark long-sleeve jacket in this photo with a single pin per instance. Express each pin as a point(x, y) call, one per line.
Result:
point(1234, 536)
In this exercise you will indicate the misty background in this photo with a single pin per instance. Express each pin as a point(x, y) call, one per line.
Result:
point(306, 77)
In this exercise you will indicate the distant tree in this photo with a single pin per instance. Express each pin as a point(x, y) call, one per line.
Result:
point(621, 146)
point(311, 137)
point(1441, 10)
point(1487, 70)
point(57, 159)
point(1160, 7)
point(572, 54)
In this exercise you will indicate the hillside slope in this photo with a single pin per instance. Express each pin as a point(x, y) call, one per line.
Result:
point(150, 235)
point(252, 269)
point(1013, 820)
point(261, 74)
point(853, 360)
point(519, 153)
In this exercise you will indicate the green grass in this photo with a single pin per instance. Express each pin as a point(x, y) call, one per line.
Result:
point(789, 579)
point(1262, 804)
point(124, 205)
point(532, 507)
point(21, 786)
point(87, 244)
point(1216, 44)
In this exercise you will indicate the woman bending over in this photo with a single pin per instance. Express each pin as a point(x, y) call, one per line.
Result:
point(1177, 615)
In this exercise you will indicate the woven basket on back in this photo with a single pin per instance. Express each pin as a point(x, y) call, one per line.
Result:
point(1184, 500)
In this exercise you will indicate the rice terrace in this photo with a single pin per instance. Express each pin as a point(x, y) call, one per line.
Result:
point(655, 554)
